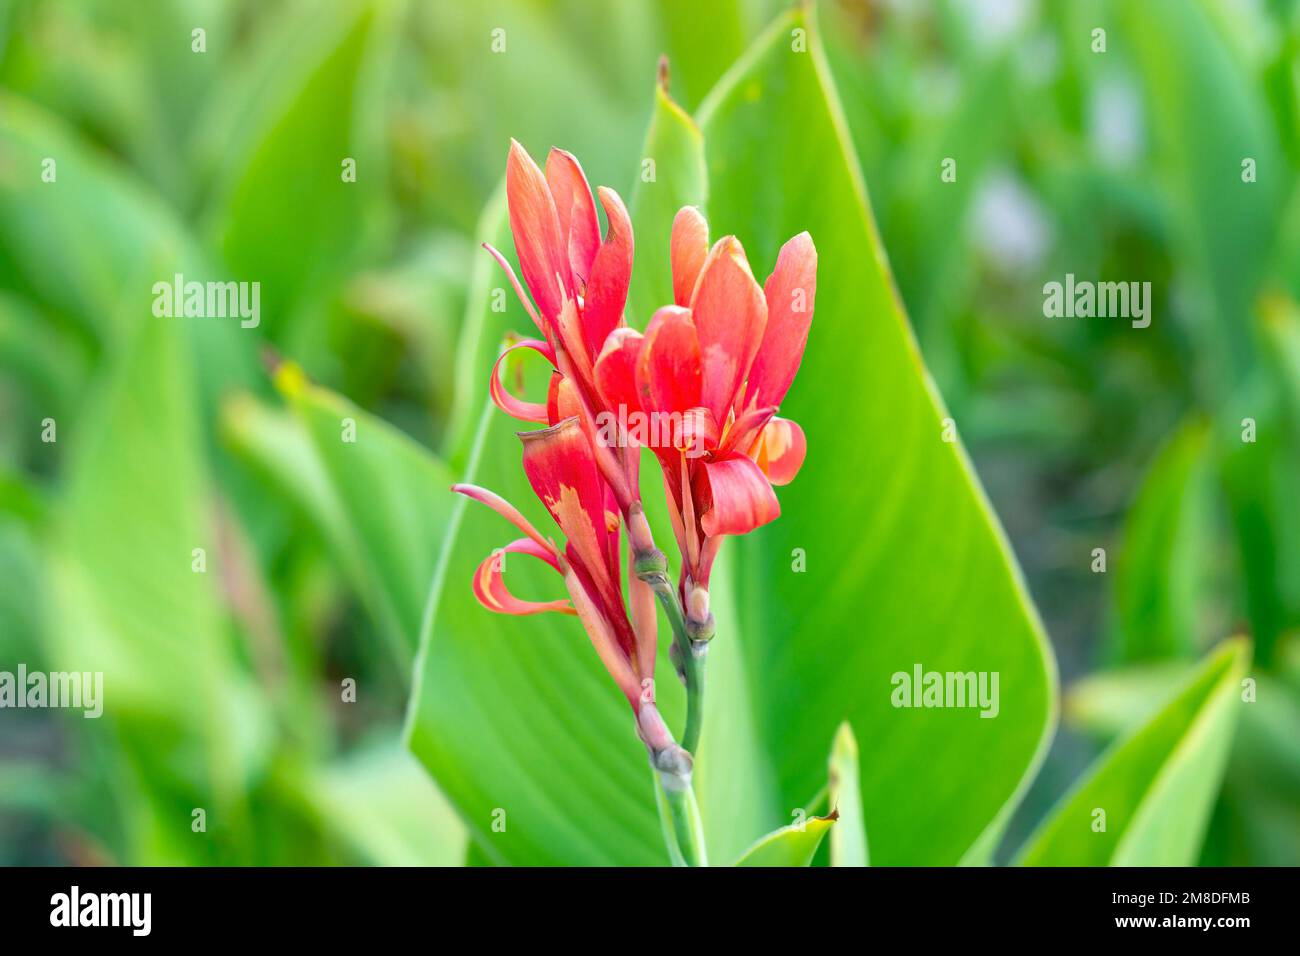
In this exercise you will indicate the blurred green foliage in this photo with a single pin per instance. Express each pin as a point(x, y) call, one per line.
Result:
point(228, 696)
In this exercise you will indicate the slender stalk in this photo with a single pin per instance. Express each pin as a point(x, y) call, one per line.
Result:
point(680, 815)
point(691, 654)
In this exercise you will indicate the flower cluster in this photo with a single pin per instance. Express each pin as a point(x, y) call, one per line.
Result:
point(718, 362)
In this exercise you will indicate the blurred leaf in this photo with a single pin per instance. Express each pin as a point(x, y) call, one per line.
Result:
point(1107, 703)
point(483, 327)
point(849, 837)
point(1157, 579)
point(1211, 118)
point(703, 39)
point(128, 601)
point(71, 244)
point(1157, 785)
point(789, 846)
point(381, 803)
point(394, 495)
point(923, 565)
point(288, 223)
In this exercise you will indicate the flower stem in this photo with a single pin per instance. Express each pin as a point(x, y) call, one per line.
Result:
point(680, 816)
point(691, 654)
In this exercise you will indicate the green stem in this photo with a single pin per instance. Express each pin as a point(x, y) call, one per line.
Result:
point(680, 816)
point(691, 658)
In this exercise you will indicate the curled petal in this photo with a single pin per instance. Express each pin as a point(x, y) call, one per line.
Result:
point(668, 375)
point(536, 229)
point(780, 450)
point(730, 314)
point(789, 292)
point(602, 309)
point(579, 227)
point(734, 496)
point(689, 249)
point(501, 396)
point(506, 510)
point(490, 586)
point(616, 370)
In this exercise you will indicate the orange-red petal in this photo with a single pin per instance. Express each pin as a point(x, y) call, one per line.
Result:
point(734, 496)
point(615, 370)
point(490, 586)
point(579, 228)
point(535, 225)
point(668, 375)
point(602, 309)
point(687, 252)
point(780, 450)
point(730, 314)
point(790, 292)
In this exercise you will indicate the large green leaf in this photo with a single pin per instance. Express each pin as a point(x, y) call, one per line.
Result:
point(1157, 785)
point(906, 563)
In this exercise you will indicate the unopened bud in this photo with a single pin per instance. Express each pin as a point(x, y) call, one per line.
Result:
point(697, 604)
point(638, 532)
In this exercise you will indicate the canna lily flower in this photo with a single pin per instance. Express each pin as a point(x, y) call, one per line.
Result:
point(580, 284)
point(561, 469)
point(720, 360)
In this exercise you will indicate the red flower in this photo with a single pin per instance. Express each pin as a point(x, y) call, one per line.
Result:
point(720, 361)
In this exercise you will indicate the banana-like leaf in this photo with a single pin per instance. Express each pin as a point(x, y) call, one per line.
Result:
point(1147, 800)
point(905, 562)
point(789, 846)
